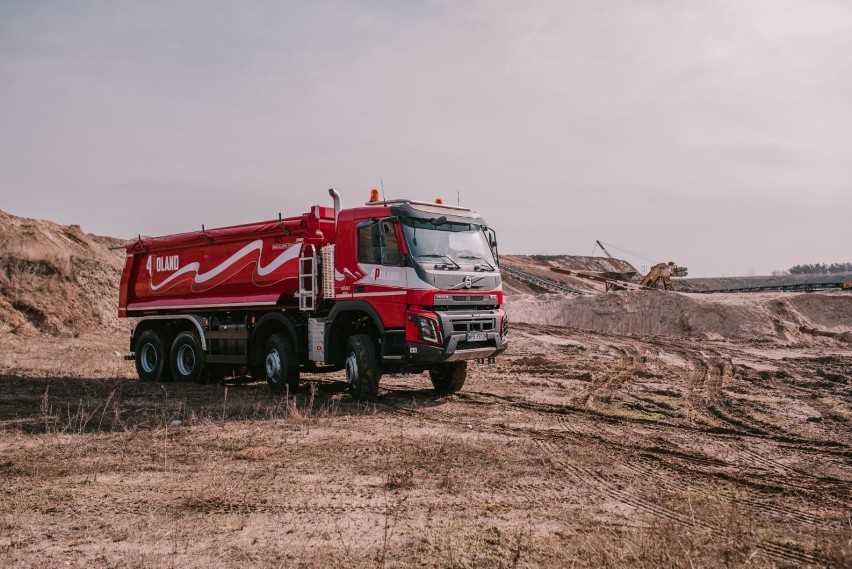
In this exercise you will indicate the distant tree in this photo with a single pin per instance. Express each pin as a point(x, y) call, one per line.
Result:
point(821, 268)
point(780, 272)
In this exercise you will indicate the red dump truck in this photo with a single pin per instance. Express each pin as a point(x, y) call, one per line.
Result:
point(393, 286)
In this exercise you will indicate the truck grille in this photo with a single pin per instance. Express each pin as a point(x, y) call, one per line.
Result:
point(473, 325)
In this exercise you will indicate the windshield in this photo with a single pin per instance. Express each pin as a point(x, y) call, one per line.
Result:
point(460, 243)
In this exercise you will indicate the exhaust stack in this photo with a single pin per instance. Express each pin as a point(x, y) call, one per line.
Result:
point(336, 197)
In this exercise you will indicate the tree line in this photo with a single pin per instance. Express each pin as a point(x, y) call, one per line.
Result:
point(821, 268)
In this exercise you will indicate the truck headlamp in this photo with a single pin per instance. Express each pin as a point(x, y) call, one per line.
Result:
point(428, 329)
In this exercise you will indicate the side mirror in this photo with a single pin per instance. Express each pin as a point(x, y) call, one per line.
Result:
point(378, 235)
point(492, 243)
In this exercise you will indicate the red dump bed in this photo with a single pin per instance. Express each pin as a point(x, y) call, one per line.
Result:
point(228, 268)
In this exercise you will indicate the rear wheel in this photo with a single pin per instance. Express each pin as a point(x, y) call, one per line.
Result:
point(448, 378)
point(281, 365)
point(362, 367)
point(151, 358)
point(187, 359)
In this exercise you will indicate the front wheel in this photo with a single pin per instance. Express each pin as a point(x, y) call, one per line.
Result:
point(362, 367)
point(281, 365)
point(448, 378)
point(187, 359)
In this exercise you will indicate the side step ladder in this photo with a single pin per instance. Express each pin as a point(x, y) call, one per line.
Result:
point(308, 278)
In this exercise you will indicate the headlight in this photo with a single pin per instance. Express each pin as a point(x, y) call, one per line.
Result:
point(429, 329)
point(426, 328)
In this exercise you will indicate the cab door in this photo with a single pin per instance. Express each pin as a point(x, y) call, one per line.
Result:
point(380, 259)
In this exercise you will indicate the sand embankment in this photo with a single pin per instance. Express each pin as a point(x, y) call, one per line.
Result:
point(687, 315)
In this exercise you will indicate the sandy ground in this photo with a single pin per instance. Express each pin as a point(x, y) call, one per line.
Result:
point(578, 449)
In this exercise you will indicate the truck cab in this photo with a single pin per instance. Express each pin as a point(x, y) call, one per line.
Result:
point(428, 277)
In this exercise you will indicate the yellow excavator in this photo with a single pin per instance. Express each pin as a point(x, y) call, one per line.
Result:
point(659, 274)
point(662, 273)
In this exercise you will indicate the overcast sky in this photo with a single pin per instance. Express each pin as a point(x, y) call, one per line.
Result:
point(717, 134)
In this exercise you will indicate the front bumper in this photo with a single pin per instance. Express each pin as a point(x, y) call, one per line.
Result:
point(456, 348)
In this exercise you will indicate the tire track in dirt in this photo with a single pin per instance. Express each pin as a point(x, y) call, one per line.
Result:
point(660, 456)
point(598, 483)
point(651, 462)
point(725, 436)
point(792, 443)
point(549, 443)
point(691, 464)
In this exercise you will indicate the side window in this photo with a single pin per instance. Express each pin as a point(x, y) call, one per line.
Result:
point(366, 252)
point(375, 239)
point(391, 246)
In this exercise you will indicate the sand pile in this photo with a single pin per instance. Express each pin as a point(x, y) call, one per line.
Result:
point(56, 279)
point(687, 315)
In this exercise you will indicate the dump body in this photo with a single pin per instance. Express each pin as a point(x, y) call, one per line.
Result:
point(245, 266)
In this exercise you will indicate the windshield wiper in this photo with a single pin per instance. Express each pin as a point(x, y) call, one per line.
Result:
point(478, 258)
point(456, 266)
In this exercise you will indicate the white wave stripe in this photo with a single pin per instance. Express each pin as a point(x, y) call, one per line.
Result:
point(291, 253)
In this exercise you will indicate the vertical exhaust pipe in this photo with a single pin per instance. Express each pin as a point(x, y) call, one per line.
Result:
point(336, 197)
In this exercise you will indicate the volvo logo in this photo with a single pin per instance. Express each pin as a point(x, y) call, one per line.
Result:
point(466, 282)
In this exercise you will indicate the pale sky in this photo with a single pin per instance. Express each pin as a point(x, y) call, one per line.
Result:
point(717, 134)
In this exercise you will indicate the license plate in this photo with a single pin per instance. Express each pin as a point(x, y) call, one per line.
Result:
point(476, 337)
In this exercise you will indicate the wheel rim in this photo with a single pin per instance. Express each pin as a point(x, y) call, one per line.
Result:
point(185, 360)
point(273, 366)
point(148, 358)
point(352, 371)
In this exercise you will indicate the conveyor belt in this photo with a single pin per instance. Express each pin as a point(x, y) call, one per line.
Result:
point(801, 287)
point(543, 283)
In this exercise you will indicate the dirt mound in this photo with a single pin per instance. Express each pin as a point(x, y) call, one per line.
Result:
point(675, 314)
point(56, 279)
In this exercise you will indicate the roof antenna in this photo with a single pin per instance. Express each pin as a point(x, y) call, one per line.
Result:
point(458, 197)
point(384, 199)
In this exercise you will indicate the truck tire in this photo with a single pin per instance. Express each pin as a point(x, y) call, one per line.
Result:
point(152, 350)
point(448, 378)
point(362, 367)
point(187, 359)
point(281, 365)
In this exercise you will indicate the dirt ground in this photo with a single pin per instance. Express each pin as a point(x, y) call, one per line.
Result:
point(578, 449)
